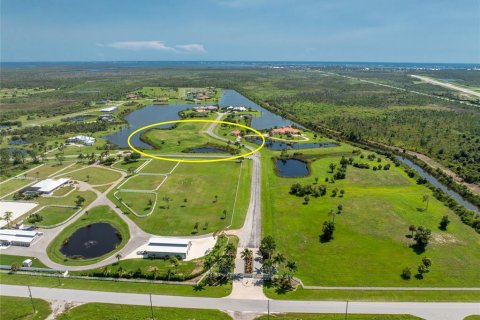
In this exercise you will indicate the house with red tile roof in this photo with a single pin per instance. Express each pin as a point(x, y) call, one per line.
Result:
point(285, 130)
point(236, 133)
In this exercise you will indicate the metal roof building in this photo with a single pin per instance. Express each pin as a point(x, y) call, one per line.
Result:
point(165, 247)
point(15, 237)
point(48, 185)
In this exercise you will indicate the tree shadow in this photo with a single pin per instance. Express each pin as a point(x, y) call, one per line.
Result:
point(417, 248)
point(419, 276)
point(323, 238)
point(420, 209)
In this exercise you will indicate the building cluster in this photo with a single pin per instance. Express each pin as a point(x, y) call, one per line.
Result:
point(205, 108)
point(14, 237)
point(106, 117)
point(236, 109)
point(109, 109)
point(284, 130)
point(85, 140)
point(200, 94)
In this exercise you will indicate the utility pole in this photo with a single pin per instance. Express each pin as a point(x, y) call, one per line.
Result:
point(151, 306)
point(346, 311)
point(268, 308)
point(31, 299)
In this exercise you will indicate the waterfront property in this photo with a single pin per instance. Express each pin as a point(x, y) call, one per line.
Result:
point(167, 247)
point(85, 140)
point(237, 109)
point(205, 108)
point(14, 237)
point(109, 109)
point(284, 130)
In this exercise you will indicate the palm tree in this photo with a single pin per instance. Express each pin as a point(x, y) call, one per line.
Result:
point(118, 256)
point(174, 261)
point(154, 271)
point(292, 267)
point(279, 259)
point(268, 246)
point(267, 266)
point(246, 254)
point(7, 216)
point(230, 250)
point(170, 273)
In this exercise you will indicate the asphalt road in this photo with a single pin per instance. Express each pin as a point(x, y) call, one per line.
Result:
point(434, 311)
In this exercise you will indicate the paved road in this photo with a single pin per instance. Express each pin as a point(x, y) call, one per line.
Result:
point(447, 85)
point(434, 311)
point(250, 233)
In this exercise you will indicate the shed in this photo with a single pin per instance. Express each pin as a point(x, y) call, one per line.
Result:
point(167, 247)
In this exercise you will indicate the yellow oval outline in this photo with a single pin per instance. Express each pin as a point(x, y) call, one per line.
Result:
point(201, 160)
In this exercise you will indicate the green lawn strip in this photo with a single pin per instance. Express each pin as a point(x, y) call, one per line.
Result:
point(158, 166)
point(47, 169)
point(139, 202)
point(97, 214)
point(377, 295)
point(62, 191)
point(12, 185)
point(101, 311)
point(370, 234)
point(6, 259)
point(243, 195)
point(93, 175)
point(114, 286)
point(54, 215)
point(473, 317)
point(143, 182)
point(16, 308)
point(121, 165)
point(191, 191)
point(339, 316)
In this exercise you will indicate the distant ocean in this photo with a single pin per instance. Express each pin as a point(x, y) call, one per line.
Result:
point(97, 66)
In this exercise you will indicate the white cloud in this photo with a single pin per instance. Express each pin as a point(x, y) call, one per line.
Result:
point(193, 47)
point(155, 45)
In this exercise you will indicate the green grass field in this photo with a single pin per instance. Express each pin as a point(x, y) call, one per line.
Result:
point(103, 311)
point(94, 175)
point(191, 190)
point(54, 215)
point(143, 182)
point(62, 191)
point(125, 166)
point(8, 260)
point(370, 245)
point(159, 166)
point(330, 316)
point(12, 185)
point(114, 286)
point(184, 136)
point(97, 214)
point(15, 308)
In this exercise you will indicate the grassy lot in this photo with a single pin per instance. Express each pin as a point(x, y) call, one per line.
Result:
point(62, 191)
point(54, 215)
point(143, 182)
point(7, 93)
point(371, 295)
point(114, 286)
point(12, 185)
point(333, 316)
point(8, 260)
point(159, 166)
point(102, 311)
point(15, 308)
point(97, 214)
point(184, 136)
point(94, 175)
point(140, 202)
point(370, 245)
point(191, 190)
point(47, 170)
point(124, 166)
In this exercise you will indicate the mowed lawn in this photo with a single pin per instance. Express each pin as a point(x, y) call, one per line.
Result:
point(102, 311)
point(196, 192)
point(185, 136)
point(14, 184)
point(54, 215)
point(94, 175)
point(143, 182)
point(8, 260)
point(121, 165)
point(159, 166)
point(15, 308)
point(370, 245)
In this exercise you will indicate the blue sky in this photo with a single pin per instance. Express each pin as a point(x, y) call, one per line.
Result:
point(295, 30)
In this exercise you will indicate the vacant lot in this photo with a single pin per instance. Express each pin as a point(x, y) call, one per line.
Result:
point(372, 243)
point(194, 193)
point(94, 175)
point(54, 215)
point(143, 182)
point(15, 308)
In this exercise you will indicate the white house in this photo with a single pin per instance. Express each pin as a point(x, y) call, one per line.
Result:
point(109, 109)
point(167, 247)
point(88, 141)
point(46, 186)
point(239, 109)
point(13, 237)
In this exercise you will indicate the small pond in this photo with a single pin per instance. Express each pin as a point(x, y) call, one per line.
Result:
point(291, 168)
point(92, 241)
point(278, 145)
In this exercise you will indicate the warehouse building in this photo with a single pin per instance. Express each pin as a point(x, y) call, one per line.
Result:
point(14, 237)
point(167, 247)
